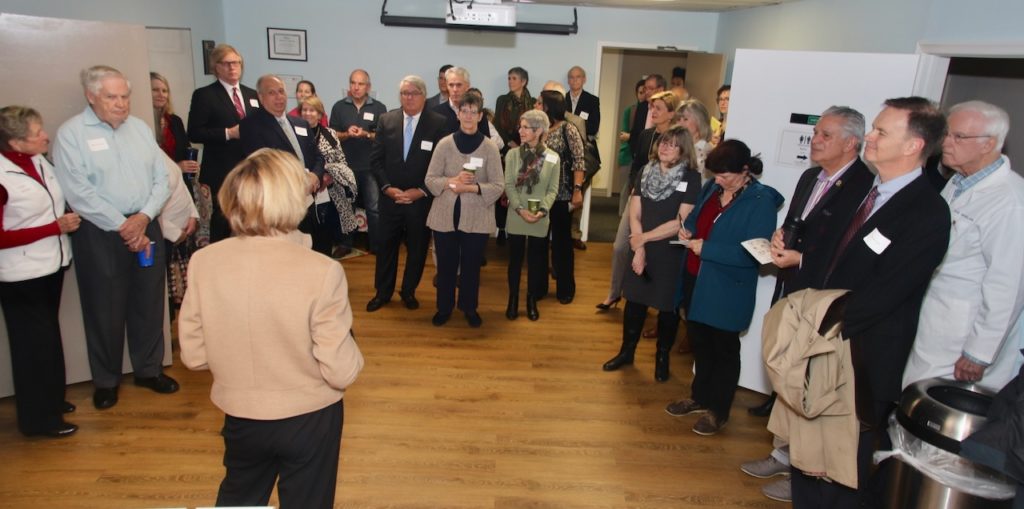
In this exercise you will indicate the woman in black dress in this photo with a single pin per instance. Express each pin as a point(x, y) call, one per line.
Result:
point(663, 195)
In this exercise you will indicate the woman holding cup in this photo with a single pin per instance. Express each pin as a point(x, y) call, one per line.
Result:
point(465, 178)
point(170, 130)
point(532, 174)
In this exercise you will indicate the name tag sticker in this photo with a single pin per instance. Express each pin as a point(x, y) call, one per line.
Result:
point(98, 144)
point(368, 116)
point(477, 162)
point(254, 103)
point(551, 158)
point(876, 241)
point(585, 115)
point(426, 145)
point(301, 131)
point(681, 187)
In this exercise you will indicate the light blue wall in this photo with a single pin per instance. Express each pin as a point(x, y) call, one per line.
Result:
point(347, 34)
point(203, 17)
point(883, 26)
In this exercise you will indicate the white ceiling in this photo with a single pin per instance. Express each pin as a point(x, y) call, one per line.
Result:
point(674, 5)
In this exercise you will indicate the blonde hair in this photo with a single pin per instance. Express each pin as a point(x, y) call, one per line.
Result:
point(223, 50)
point(315, 103)
point(265, 194)
point(168, 109)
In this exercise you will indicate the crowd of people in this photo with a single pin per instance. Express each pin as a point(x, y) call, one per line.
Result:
point(931, 271)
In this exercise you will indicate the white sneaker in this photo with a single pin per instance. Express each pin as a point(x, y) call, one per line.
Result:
point(765, 468)
point(781, 490)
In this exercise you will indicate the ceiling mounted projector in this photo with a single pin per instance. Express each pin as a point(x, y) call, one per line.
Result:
point(483, 13)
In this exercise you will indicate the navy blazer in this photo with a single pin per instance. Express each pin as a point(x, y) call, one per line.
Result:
point(261, 130)
point(211, 112)
point(590, 104)
point(386, 162)
point(887, 287)
point(856, 182)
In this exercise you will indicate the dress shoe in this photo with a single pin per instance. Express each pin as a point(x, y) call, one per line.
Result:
point(473, 319)
point(764, 409)
point(651, 333)
point(440, 318)
point(567, 299)
point(62, 430)
point(104, 397)
point(622, 359)
point(579, 244)
point(531, 308)
point(376, 303)
point(512, 310)
point(408, 299)
point(605, 306)
point(67, 407)
point(160, 383)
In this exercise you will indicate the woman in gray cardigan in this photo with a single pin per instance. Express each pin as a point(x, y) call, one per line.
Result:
point(531, 184)
point(465, 178)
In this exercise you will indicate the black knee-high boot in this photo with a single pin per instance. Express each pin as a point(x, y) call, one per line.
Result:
point(512, 311)
point(668, 326)
point(633, 316)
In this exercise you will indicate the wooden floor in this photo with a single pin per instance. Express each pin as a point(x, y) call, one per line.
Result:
point(511, 415)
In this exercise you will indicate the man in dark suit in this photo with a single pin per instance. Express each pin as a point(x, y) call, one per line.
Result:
point(835, 146)
point(213, 121)
point(441, 96)
point(885, 255)
point(401, 153)
point(270, 127)
point(582, 103)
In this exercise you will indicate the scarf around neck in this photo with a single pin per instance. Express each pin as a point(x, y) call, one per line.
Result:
point(655, 185)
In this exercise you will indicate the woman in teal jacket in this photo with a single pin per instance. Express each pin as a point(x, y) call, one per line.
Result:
point(720, 279)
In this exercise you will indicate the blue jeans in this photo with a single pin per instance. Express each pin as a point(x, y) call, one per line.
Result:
point(369, 197)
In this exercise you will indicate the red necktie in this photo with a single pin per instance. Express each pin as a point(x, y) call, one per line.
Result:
point(858, 220)
point(238, 102)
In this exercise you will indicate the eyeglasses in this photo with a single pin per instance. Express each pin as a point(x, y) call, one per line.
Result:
point(468, 112)
point(959, 138)
point(410, 93)
point(232, 63)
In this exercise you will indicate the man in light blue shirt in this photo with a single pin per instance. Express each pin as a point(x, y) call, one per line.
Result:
point(115, 178)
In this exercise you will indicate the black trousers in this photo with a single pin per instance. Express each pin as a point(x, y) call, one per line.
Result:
point(459, 251)
point(325, 227)
point(810, 492)
point(633, 316)
point(300, 453)
point(37, 356)
point(117, 297)
point(716, 356)
point(535, 250)
point(398, 222)
point(562, 256)
point(219, 227)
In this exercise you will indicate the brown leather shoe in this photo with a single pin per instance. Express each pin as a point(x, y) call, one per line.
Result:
point(578, 244)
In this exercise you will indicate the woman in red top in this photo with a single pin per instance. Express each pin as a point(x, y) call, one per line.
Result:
point(34, 251)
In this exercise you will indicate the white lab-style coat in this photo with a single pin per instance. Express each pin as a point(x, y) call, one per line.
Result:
point(179, 206)
point(975, 298)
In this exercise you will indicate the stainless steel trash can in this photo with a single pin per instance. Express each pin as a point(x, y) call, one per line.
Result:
point(940, 413)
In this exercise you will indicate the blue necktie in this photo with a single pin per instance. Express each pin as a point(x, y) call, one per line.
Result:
point(407, 141)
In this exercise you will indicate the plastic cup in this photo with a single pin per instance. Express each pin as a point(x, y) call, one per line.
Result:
point(146, 255)
point(192, 154)
point(533, 205)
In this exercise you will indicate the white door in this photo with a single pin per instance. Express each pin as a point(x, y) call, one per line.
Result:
point(772, 90)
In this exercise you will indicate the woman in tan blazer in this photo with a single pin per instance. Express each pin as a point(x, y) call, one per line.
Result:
point(271, 319)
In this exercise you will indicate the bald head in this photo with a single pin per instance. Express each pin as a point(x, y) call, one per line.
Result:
point(271, 91)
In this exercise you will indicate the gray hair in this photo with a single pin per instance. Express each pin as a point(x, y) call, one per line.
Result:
point(576, 67)
point(353, 73)
point(415, 81)
point(457, 71)
point(15, 121)
point(554, 85)
point(536, 119)
point(265, 78)
point(700, 112)
point(92, 76)
point(997, 121)
point(853, 122)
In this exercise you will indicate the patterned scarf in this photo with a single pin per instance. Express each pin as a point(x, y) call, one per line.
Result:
point(656, 185)
point(529, 172)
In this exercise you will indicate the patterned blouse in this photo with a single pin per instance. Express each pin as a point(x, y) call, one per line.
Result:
point(571, 155)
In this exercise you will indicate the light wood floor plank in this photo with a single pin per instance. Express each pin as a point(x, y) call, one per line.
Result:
point(512, 415)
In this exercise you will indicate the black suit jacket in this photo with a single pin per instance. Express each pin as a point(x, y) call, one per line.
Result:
point(212, 112)
point(180, 137)
point(639, 121)
point(855, 182)
point(261, 130)
point(389, 169)
point(880, 316)
point(590, 104)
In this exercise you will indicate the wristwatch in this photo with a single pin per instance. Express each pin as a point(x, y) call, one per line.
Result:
point(577, 187)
